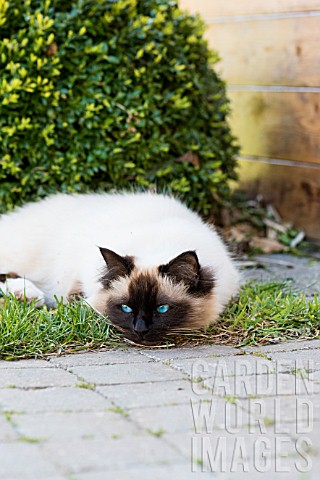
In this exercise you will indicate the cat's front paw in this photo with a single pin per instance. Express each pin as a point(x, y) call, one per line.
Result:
point(23, 289)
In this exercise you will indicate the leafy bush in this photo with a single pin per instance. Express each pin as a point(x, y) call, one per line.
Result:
point(96, 94)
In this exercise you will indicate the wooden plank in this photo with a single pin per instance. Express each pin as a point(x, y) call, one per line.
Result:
point(268, 52)
point(294, 191)
point(277, 124)
point(219, 8)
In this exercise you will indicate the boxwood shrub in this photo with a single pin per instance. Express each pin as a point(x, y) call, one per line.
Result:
point(101, 94)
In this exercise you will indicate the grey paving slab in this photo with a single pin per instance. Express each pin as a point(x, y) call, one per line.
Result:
point(155, 472)
point(308, 429)
point(24, 460)
point(181, 472)
point(303, 272)
point(170, 418)
point(52, 399)
point(92, 454)
point(254, 474)
point(108, 357)
point(283, 409)
point(190, 352)
point(36, 378)
point(58, 426)
point(208, 367)
point(149, 393)
point(196, 417)
point(242, 446)
point(127, 373)
point(242, 386)
point(27, 363)
point(315, 376)
point(7, 432)
point(299, 359)
point(285, 346)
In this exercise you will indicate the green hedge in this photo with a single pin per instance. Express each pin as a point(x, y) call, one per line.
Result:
point(96, 94)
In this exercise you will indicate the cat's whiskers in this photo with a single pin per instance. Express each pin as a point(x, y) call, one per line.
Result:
point(181, 330)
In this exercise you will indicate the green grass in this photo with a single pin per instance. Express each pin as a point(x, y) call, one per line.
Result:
point(262, 314)
point(28, 331)
point(267, 313)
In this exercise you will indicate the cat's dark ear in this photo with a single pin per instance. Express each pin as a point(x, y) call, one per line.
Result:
point(186, 268)
point(117, 266)
point(183, 268)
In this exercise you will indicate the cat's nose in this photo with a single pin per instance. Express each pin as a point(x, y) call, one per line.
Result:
point(140, 326)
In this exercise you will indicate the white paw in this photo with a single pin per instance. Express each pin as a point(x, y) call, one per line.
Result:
point(23, 289)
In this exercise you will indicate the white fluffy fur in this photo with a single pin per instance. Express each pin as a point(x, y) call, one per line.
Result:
point(53, 243)
point(23, 288)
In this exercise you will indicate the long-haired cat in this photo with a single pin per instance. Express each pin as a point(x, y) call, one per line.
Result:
point(143, 259)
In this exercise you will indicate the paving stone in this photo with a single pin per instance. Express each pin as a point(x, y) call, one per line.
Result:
point(309, 430)
point(206, 367)
point(7, 432)
point(253, 474)
point(297, 360)
point(194, 447)
point(150, 393)
point(85, 455)
point(154, 472)
point(52, 399)
point(108, 357)
point(100, 425)
point(285, 346)
point(275, 415)
point(196, 417)
point(191, 352)
point(305, 277)
point(315, 467)
point(22, 460)
point(29, 363)
point(315, 377)
point(283, 409)
point(171, 418)
point(134, 373)
point(242, 386)
point(280, 451)
point(36, 378)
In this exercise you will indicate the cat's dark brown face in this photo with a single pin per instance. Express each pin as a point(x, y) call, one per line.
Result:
point(148, 305)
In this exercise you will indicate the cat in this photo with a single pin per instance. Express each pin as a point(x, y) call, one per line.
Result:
point(145, 260)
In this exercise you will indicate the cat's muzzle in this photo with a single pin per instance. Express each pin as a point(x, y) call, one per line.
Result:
point(146, 337)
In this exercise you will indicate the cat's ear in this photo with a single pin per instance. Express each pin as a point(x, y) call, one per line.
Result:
point(117, 266)
point(183, 268)
point(187, 269)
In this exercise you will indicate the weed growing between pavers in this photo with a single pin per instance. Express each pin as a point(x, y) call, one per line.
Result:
point(261, 314)
point(86, 385)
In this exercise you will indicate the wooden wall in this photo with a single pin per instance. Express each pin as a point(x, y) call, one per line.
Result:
point(270, 54)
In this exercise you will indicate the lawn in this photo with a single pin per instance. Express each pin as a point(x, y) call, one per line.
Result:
point(261, 314)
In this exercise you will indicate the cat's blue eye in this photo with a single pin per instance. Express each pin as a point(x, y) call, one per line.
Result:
point(126, 309)
point(163, 308)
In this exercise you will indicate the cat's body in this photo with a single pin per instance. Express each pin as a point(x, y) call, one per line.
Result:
point(54, 244)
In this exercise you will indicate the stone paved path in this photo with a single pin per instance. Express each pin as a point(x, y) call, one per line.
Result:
point(183, 413)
